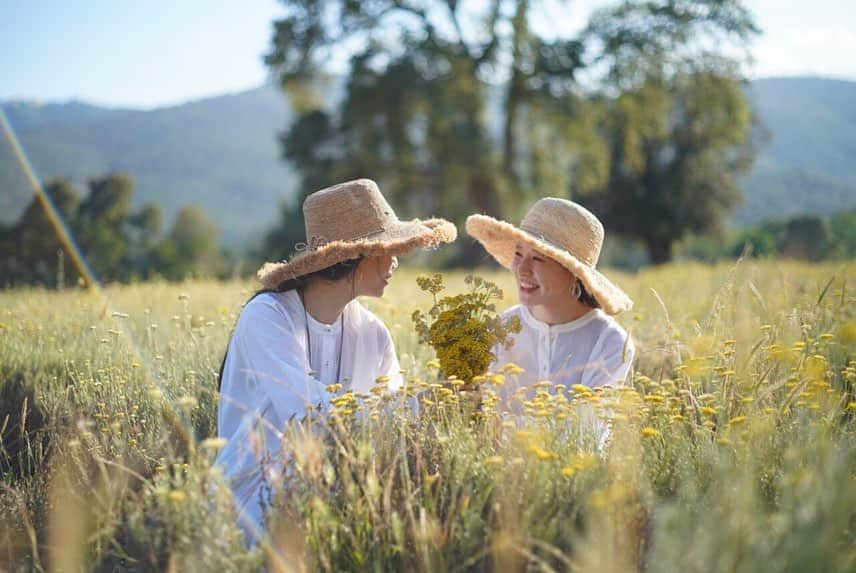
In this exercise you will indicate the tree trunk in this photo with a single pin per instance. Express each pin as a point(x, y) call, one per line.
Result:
point(516, 88)
point(485, 200)
point(659, 249)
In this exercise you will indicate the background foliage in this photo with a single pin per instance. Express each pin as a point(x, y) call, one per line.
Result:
point(118, 243)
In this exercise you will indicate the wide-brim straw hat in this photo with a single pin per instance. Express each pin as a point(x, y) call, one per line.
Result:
point(350, 220)
point(566, 232)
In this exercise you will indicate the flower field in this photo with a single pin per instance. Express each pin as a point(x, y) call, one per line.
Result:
point(731, 448)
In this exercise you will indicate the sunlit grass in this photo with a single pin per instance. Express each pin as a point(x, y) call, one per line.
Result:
point(731, 448)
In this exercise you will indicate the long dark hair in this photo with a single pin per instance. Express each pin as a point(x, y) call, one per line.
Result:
point(586, 297)
point(332, 273)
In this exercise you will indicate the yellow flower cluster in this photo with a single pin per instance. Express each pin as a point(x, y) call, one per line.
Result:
point(463, 329)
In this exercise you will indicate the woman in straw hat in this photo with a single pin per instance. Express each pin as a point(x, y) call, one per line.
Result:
point(304, 330)
point(568, 335)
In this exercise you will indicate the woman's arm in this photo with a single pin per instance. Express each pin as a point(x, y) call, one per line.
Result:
point(610, 359)
point(266, 360)
point(389, 365)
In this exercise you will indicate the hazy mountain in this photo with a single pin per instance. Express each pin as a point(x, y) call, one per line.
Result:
point(809, 161)
point(223, 154)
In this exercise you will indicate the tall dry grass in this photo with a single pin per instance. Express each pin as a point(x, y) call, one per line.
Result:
point(731, 448)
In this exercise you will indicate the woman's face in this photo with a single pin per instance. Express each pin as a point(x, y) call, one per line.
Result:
point(373, 274)
point(541, 281)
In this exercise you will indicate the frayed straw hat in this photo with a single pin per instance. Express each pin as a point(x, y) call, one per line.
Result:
point(349, 220)
point(562, 230)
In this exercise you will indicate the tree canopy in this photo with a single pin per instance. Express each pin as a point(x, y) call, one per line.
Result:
point(462, 107)
point(118, 241)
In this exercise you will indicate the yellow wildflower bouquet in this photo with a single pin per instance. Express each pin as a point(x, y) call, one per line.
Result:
point(463, 329)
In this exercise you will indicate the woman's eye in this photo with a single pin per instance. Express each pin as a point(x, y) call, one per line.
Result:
point(538, 259)
point(517, 254)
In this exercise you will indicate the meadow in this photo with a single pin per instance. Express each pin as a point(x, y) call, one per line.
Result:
point(732, 447)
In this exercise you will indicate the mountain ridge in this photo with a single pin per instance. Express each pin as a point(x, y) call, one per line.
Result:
point(222, 152)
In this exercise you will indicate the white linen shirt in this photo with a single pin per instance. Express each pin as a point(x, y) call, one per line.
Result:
point(267, 380)
point(592, 350)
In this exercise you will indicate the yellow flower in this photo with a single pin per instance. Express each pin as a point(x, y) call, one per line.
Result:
point(176, 496)
point(815, 367)
point(650, 432)
point(847, 333)
point(696, 366)
point(494, 461)
point(708, 410)
point(736, 420)
point(512, 369)
point(568, 471)
point(213, 444)
point(541, 453)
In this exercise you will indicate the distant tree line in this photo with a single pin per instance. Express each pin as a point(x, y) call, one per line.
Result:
point(119, 243)
point(806, 237)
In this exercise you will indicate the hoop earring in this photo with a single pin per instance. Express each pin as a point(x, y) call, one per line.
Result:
point(576, 290)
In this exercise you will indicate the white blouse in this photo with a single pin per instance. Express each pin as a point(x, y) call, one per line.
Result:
point(268, 380)
point(592, 350)
point(325, 344)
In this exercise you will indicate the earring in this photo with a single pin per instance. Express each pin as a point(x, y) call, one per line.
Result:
point(576, 290)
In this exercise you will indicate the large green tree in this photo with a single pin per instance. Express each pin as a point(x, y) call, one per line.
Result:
point(436, 102)
point(461, 107)
point(678, 123)
point(31, 249)
point(102, 221)
point(190, 248)
point(117, 241)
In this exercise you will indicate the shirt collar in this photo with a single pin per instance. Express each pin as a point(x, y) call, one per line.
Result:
point(313, 324)
point(539, 326)
point(320, 327)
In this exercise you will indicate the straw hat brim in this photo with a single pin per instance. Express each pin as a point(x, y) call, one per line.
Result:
point(500, 239)
point(398, 239)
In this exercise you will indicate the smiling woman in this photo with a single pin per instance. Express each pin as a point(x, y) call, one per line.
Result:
point(568, 336)
point(306, 331)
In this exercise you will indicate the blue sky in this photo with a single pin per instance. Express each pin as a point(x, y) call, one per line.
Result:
point(151, 53)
